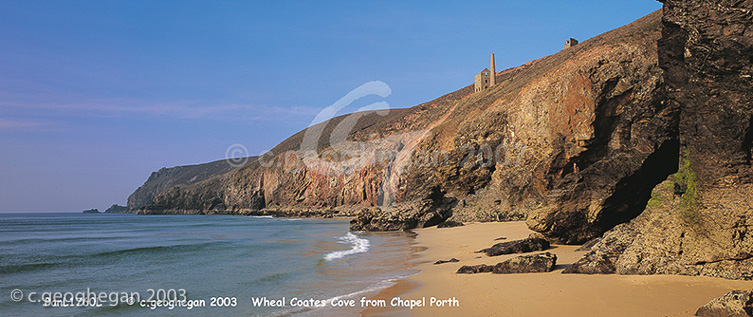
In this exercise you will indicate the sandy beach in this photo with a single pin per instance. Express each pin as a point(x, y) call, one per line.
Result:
point(537, 294)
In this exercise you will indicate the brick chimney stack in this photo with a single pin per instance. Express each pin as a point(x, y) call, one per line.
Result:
point(493, 73)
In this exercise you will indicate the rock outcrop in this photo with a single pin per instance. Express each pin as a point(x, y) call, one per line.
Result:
point(431, 211)
point(517, 246)
point(697, 221)
point(732, 304)
point(533, 263)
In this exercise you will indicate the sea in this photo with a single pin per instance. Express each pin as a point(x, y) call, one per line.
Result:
point(68, 264)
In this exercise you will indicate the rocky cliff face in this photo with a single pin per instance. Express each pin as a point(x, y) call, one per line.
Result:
point(574, 142)
point(167, 178)
point(698, 220)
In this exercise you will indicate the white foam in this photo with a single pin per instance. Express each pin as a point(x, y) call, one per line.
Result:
point(265, 217)
point(359, 245)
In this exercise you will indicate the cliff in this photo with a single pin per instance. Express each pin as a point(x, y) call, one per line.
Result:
point(574, 142)
point(168, 178)
point(697, 221)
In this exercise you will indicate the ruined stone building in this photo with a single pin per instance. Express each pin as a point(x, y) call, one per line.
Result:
point(485, 79)
point(570, 43)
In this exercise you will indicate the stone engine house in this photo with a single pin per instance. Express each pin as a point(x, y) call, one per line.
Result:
point(486, 78)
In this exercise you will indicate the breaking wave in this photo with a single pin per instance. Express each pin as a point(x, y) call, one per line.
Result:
point(359, 245)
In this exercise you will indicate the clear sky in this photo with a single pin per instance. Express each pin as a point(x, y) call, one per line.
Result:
point(95, 95)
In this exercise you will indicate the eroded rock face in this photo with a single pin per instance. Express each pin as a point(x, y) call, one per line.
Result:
point(697, 222)
point(732, 304)
point(517, 246)
point(579, 138)
point(534, 263)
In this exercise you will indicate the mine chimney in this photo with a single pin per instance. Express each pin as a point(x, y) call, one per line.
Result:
point(493, 73)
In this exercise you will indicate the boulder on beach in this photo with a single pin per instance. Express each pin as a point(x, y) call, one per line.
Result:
point(446, 261)
point(472, 269)
point(533, 263)
point(517, 246)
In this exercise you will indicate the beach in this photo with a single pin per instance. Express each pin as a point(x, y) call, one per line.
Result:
point(537, 294)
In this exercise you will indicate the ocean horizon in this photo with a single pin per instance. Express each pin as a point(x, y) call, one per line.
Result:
point(217, 265)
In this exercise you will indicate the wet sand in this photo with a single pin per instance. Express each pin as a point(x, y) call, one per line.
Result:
point(537, 294)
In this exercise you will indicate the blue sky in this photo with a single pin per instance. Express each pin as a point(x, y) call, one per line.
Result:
point(95, 95)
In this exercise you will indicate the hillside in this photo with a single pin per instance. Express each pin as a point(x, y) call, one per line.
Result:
point(167, 178)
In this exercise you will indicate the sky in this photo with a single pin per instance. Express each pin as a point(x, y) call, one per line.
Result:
point(96, 95)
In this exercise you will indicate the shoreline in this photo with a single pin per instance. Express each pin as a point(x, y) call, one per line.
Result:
point(536, 294)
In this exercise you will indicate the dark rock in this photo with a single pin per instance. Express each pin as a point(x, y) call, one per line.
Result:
point(115, 208)
point(446, 261)
point(732, 304)
point(500, 238)
point(450, 224)
point(91, 211)
point(533, 263)
point(428, 212)
point(481, 268)
point(517, 246)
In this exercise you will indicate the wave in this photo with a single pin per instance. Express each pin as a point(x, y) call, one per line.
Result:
point(148, 250)
point(359, 245)
point(261, 216)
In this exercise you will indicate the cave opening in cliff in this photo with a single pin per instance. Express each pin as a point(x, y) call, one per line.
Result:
point(632, 193)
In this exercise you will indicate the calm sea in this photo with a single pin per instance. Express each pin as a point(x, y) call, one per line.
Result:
point(226, 261)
